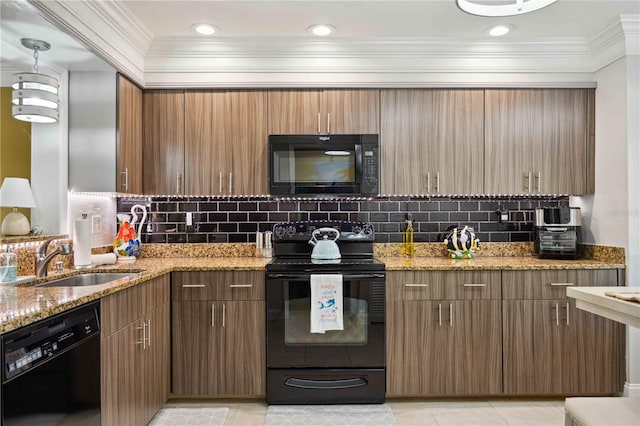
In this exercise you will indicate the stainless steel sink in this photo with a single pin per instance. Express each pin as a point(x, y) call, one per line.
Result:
point(90, 279)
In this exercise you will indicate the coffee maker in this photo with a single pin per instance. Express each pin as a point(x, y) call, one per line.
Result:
point(558, 232)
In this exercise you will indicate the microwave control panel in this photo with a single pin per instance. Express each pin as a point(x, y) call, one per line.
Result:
point(370, 164)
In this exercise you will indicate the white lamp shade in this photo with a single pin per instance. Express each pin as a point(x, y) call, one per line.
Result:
point(16, 192)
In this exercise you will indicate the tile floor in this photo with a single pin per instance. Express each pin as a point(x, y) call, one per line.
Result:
point(493, 412)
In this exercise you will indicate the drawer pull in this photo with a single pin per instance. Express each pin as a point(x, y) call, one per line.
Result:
point(440, 314)
point(192, 285)
point(473, 285)
point(561, 284)
point(240, 285)
point(213, 315)
point(416, 285)
point(450, 314)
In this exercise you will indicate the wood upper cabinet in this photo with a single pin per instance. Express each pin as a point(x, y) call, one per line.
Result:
point(443, 333)
point(129, 137)
point(432, 141)
point(539, 141)
point(339, 111)
point(218, 323)
point(226, 142)
point(163, 141)
point(550, 346)
point(135, 353)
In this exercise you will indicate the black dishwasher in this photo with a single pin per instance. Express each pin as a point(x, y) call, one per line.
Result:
point(51, 370)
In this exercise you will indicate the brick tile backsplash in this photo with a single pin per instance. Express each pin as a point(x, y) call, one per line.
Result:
point(236, 219)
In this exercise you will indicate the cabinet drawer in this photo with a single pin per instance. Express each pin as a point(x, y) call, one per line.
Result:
point(218, 285)
point(443, 285)
point(552, 284)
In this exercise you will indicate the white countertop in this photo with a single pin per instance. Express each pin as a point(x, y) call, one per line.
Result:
point(593, 299)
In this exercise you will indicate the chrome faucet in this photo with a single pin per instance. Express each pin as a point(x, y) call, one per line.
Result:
point(43, 259)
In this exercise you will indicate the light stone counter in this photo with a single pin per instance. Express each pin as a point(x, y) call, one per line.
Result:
point(490, 263)
point(593, 299)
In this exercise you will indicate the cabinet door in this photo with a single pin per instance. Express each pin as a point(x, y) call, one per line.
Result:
point(157, 365)
point(242, 363)
point(247, 143)
point(163, 146)
point(129, 136)
point(194, 341)
point(201, 156)
point(564, 151)
point(294, 112)
point(350, 112)
point(532, 347)
point(477, 337)
point(122, 372)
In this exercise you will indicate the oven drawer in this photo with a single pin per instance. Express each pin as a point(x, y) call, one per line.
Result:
point(218, 285)
point(443, 285)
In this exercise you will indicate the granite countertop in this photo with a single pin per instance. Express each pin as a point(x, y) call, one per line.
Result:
point(23, 304)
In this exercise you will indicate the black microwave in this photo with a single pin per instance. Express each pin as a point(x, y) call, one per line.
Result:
point(324, 165)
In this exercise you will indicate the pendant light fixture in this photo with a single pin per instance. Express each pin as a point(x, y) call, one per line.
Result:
point(35, 95)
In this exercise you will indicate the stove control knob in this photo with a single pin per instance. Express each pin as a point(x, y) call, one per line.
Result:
point(367, 229)
point(279, 231)
point(291, 230)
point(356, 229)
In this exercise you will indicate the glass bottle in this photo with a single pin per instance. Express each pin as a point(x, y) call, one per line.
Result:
point(408, 248)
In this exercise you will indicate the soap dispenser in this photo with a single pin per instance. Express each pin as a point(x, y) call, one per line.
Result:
point(8, 266)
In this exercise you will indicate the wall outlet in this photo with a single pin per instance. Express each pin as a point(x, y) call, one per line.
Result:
point(96, 224)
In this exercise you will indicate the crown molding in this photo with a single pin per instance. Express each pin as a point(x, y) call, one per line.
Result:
point(104, 27)
point(631, 28)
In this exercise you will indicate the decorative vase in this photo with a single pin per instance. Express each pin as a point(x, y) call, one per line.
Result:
point(462, 243)
point(127, 243)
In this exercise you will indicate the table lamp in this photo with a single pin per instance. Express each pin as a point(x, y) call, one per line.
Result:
point(16, 192)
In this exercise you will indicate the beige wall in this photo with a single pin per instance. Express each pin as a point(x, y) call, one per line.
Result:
point(15, 145)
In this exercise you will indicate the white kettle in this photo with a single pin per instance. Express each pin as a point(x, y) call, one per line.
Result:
point(325, 248)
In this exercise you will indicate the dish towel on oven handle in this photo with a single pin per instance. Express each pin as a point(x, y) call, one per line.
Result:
point(326, 303)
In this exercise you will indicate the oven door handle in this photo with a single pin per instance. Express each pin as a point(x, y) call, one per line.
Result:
point(345, 276)
point(354, 382)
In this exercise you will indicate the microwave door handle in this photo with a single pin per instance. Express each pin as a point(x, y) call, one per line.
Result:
point(359, 154)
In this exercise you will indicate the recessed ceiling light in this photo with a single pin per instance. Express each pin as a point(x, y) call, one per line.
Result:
point(204, 29)
point(499, 30)
point(504, 8)
point(321, 29)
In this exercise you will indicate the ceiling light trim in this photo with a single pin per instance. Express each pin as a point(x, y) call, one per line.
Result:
point(518, 7)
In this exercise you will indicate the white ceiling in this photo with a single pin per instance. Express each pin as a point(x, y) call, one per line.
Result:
point(266, 42)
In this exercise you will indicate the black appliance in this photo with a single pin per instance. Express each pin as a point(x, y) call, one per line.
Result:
point(324, 165)
point(339, 366)
point(51, 370)
point(558, 232)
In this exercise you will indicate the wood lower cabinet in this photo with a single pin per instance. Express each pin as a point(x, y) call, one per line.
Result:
point(129, 137)
point(432, 141)
point(218, 340)
point(338, 111)
point(550, 346)
point(135, 353)
point(441, 345)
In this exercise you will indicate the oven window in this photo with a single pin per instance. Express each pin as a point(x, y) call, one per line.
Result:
point(297, 317)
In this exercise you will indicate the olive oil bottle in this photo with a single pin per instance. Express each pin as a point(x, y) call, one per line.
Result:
point(408, 248)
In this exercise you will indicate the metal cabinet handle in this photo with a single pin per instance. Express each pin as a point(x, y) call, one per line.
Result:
point(451, 314)
point(437, 182)
point(230, 182)
point(416, 285)
point(192, 285)
point(538, 179)
point(527, 182)
point(143, 342)
point(149, 333)
point(240, 285)
point(224, 313)
point(440, 314)
point(213, 315)
point(328, 122)
point(178, 177)
point(126, 179)
point(567, 313)
point(561, 284)
point(557, 314)
point(428, 182)
point(319, 122)
point(473, 285)
point(220, 183)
